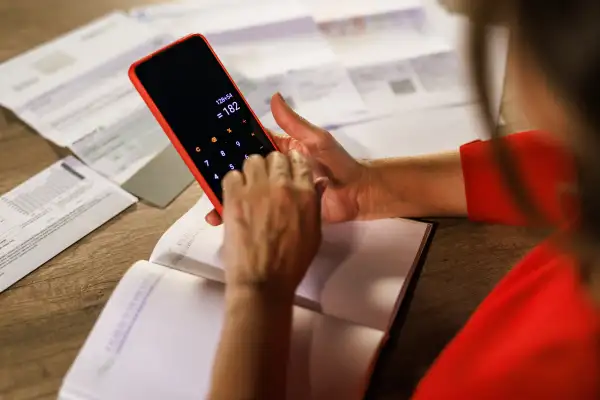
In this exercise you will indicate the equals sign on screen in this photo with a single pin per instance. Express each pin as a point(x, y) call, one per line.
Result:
point(220, 115)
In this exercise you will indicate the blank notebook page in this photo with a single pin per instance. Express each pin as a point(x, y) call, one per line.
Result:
point(359, 274)
point(158, 334)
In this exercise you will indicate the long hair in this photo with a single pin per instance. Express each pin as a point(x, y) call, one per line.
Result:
point(563, 39)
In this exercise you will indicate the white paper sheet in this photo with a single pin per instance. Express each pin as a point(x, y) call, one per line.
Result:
point(454, 28)
point(329, 10)
point(392, 61)
point(425, 81)
point(413, 133)
point(405, 55)
point(51, 211)
point(278, 49)
point(75, 92)
point(401, 55)
point(169, 9)
point(358, 275)
point(158, 334)
point(120, 149)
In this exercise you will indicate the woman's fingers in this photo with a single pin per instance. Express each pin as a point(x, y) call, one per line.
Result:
point(296, 126)
point(213, 218)
point(279, 167)
point(282, 142)
point(301, 170)
point(276, 168)
point(255, 170)
point(233, 183)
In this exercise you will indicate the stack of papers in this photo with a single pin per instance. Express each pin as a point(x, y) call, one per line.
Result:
point(335, 65)
point(405, 58)
point(401, 55)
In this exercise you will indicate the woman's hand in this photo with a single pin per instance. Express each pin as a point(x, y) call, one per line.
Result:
point(348, 180)
point(272, 221)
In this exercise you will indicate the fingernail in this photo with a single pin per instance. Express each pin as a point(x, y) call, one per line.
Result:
point(293, 153)
point(285, 102)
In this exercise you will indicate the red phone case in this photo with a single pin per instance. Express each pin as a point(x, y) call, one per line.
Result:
point(167, 128)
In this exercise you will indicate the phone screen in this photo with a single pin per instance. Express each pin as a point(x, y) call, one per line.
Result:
point(203, 108)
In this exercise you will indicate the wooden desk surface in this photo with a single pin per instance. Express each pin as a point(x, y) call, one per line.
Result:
point(45, 317)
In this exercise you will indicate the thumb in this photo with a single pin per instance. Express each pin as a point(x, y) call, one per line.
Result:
point(294, 125)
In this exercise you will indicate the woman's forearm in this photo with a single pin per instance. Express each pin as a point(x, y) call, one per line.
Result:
point(415, 187)
point(251, 361)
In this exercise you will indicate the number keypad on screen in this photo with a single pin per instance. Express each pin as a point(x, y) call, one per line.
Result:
point(227, 151)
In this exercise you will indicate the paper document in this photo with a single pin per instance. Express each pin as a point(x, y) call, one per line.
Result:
point(163, 13)
point(455, 28)
point(75, 92)
point(405, 55)
point(392, 58)
point(121, 149)
point(325, 11)
point(51, 211)
point(427, 80)
point(279, 49)
point(415, 133)
point(360, 17)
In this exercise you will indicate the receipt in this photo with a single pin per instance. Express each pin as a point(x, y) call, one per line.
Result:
point(50, 212)
point(76, 93)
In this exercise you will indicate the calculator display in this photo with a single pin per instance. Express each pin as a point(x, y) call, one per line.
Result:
point(203, 108)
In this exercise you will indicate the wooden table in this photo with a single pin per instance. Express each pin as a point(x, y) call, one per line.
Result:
point(45, 317)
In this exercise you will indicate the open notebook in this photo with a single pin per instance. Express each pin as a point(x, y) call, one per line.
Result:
point(157, 336)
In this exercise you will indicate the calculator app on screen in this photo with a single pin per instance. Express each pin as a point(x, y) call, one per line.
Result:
point(203, 108)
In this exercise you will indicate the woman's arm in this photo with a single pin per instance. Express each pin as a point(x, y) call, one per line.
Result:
point(469, 182)
point(430, 185)
point(252, 356)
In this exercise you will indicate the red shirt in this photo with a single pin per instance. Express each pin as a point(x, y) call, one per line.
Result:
point(537, 335)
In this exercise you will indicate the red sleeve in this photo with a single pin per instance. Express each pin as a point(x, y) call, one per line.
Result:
point(543, 165)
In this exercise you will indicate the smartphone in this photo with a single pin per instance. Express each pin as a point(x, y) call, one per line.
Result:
point(202, 111)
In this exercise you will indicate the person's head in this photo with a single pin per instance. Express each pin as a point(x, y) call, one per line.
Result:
point(555, 64)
